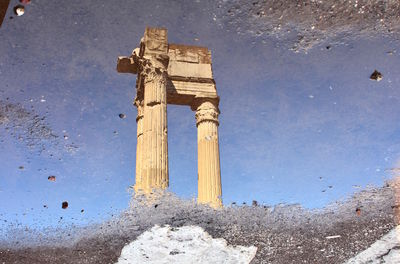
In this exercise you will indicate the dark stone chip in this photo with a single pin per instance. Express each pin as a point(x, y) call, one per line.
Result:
point(51, 178)
point(377, 76)
point(64, 205)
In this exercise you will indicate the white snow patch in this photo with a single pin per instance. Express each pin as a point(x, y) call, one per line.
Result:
point(187, 244)
point(385, 250)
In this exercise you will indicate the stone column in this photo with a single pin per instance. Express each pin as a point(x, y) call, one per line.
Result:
point(209, 171)
point(154, 169)
point(139, 146)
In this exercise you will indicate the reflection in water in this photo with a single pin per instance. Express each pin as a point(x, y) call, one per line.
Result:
point(302, 122)
point(304, 24)
point(31, 129)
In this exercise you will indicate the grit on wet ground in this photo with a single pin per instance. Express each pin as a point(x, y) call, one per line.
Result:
point(282, 234)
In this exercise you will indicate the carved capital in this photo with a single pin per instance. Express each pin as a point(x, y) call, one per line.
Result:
point(154, 67)
point(206, 110)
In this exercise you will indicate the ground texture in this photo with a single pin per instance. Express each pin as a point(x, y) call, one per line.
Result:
point(282, 234)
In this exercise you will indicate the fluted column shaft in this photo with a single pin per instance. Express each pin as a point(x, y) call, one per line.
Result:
point(139, 146)
point(209, 171)
point(154, 169)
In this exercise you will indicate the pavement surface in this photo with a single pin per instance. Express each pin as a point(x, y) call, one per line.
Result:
point(282, 234)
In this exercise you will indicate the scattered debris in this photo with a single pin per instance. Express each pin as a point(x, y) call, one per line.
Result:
point(358, 211)
point(27, 127)
point(329, 21)
point(19, 10)
point(52, 178)
point(377, 76)
point(122, 116)
point(333, 237)
point(64, 205)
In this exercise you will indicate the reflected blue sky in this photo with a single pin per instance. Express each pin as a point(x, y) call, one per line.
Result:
point(304, 127)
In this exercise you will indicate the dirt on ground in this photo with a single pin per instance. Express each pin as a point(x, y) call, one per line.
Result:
point(282, 234)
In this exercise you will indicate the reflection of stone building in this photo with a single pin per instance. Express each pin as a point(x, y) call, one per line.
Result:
point(173, 74)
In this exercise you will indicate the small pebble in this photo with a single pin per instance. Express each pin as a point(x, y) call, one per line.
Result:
point(51, 178)
point(358, 211)
point(64, 205)
point(19, 10)
point(377, 76)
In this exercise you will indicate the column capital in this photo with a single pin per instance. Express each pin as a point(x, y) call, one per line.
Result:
point(206, 109)
point(154, 67)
